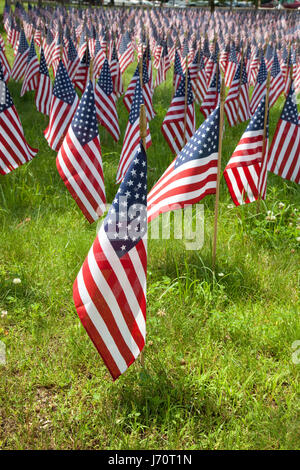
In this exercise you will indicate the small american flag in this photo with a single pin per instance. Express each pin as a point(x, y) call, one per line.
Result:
point(246, 172)
point(212, 96)
point(72, 60)
point(106, 102)
point(63, 106)
point(116, 74)
point(5, 64)
point(110, 289)
point(49, 44)
point(199, 84)
point(82, 73)
point(132, 133)
point(14, 150)
point(192, 174)
point(277, 82)
point(178, 72)
point(260, 87)
point(284, 155)
point(237, 101)
point(126, 54)
point(31, 75)
point(43, 94)
point(173, 124)
point(79, 160)
point(20, 62)
point(99, 58)
point(231, 66)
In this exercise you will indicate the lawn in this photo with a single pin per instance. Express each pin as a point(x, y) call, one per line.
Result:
point(218, 370)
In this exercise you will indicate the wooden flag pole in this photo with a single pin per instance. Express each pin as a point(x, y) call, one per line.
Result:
point(185, 100)
point(91, 70)
point(143, 135)
point(264, 136)
point(221, 124)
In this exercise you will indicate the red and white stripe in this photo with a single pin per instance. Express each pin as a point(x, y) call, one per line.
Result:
point(14, 150)
point(107, 112)
point(61, 115)
point(80, 168)
point(43, 94)
point(173, 124)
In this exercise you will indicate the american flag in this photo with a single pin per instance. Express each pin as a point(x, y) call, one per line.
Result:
point(173, 124)
point(116, 74)
point(212, 96)
point(231, 66)
point(199, 84)
point(14, 150)
point(178, 72)
point(58, 50)
point(82, 73)
point(20, 62)
point(163, 67)
point(237, 101)
point(260, 87)
point(31, 75)
point(110, 289)
point(72, 60)
point(49, 44)
point(43, 94)
point(277, 82)
point(246, 171)
point(126, 54)
point(284, 155)
point(254, 64)
point(106, 102)
point(5, 64)
point(132, 133)
point(192, 174)
point(79, 160)
point(82, 44)
point(99, 58)
point(63, 106)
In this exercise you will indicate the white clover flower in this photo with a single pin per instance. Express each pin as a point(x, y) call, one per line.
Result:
point(281, 205)
point(3, 313)
point(221, 274)
point(230, 206)
point(298, 239)
point(17, 280)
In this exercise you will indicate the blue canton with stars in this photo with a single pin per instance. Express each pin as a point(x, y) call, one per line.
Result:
point(84, 123)
point(23, 44)
point(105, 80)
point(180, 92)
point(136, 103)
point(32, 52)
point(257, 120)
point(177, 65)
point(275, 70)
point(204, 142)
point(63, 88)
point(289, 112)
point(5, 98)
point(262, 73)
point(72, 53)
point(43, 64)
point(126, 221)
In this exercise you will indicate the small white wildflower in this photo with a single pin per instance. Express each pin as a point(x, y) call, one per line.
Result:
point(220, 274)
point(281, 205)
point(3, 313)
point(17, 280)
point(298, 239)
point(230, 206)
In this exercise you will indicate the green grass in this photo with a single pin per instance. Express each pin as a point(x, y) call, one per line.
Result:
point(218, 359)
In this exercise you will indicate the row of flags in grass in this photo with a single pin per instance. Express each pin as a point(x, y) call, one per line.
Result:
point(110, 289)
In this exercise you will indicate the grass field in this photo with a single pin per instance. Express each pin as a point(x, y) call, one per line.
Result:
point(218, 359)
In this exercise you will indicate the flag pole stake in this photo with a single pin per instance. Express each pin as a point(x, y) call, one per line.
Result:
point(221, 124)
point(185, 100)
point(264, 137)
point(143, 135)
